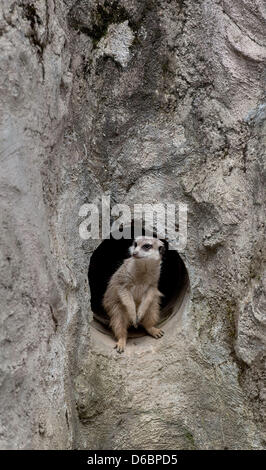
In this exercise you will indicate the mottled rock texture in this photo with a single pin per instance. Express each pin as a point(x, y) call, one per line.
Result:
point(148, 100)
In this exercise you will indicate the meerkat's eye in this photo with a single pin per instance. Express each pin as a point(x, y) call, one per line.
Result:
point(147, 246)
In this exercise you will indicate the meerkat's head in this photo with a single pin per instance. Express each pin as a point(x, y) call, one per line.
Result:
point(147, 248)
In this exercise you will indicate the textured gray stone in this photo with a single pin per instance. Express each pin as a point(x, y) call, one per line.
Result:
point(159, 101)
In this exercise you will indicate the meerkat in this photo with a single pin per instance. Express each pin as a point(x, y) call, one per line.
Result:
point(132, 296)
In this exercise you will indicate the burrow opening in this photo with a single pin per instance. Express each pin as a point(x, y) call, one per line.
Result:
point(107, 258)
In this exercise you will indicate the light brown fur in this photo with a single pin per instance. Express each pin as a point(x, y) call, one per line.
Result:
point(132, 296)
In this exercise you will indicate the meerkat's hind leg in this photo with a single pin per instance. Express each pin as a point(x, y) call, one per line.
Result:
point(155, 332)
point(119, 324)
point(150, 319)
point(121, 345)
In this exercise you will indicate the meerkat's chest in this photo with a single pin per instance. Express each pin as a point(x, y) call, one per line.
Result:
point(140, 281)
point(138, 292)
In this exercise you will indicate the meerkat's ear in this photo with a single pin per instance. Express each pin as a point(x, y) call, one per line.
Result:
point(161, 248)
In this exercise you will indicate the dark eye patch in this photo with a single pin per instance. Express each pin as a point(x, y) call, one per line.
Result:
point(147, 246)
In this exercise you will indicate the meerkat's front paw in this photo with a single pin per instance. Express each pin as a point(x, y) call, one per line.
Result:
point(120, 345)
point(155, 332)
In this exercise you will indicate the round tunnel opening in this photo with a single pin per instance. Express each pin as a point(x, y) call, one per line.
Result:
point(109, 256)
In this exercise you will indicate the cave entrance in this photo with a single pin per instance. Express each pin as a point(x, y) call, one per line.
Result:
point(107, 258)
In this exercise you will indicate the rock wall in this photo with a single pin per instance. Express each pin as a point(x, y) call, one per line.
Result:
point(155, 101)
